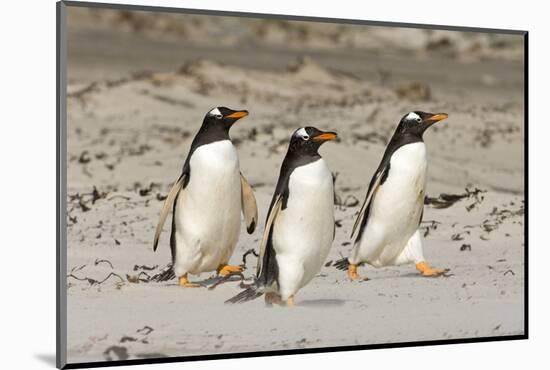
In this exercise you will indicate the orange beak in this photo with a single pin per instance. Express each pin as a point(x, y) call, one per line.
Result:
point(326, 136)
point(238, 114)
point(439, 117)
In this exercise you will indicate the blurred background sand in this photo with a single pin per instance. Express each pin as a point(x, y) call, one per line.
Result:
point(139, 84)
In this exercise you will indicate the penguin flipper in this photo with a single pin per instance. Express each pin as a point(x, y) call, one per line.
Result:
point(167, 207)
point(249, 207)
point(375, 183)
point(267, 231)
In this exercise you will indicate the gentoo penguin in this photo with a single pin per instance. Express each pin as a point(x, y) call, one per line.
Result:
point(299, 228)
point(207, 200)
point(389, 219)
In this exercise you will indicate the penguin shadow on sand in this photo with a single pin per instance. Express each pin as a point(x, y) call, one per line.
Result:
point(211, 282)
point(417, 276)
point(321, 303)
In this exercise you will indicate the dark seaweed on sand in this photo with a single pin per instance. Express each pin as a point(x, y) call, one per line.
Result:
point(92, 281)
point(445, 200)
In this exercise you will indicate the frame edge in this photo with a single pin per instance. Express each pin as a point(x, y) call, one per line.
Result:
point(61, 185)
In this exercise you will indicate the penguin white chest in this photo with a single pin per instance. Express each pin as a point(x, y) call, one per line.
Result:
point(407, 174)
point(208, 213)
point(304, 230)
point(397, 205)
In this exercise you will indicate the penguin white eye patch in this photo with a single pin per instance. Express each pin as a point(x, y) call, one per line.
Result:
point(413, 116)
point(215, 112)
point(302, 133)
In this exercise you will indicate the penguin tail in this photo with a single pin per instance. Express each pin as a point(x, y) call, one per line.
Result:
point(165, 274)
point(249, 294)
point(342, 264)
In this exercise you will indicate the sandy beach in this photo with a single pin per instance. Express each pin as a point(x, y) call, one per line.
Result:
point(135, 101)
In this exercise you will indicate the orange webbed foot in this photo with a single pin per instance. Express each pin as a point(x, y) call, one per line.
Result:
point(428, 271)
point(184, 282)
point(225, 270)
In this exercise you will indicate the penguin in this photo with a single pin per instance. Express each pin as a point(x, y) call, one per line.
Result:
point(207, 200)
point(299, 228)
point(388, 223)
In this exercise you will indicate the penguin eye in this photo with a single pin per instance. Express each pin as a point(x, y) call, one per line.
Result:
point(218, 116)
point(305, 137)
point(417, 119)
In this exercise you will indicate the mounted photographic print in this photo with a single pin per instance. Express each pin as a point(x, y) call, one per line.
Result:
point(235, 184)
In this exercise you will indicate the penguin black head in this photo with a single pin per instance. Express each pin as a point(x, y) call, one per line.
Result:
point(222, 117)
point(415, 123)
point(307, 140)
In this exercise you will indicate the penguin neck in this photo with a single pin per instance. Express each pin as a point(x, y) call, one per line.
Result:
point(403, 138)
point(210, 133)
point(296, 158)
point(293, 160)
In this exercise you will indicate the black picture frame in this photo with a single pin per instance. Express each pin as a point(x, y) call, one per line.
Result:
point(61, 188)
